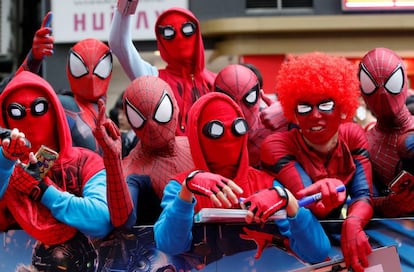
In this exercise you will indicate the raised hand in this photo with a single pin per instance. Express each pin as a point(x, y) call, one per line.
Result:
point(331, 198)
point(127, 7)
point(43, 42)
point(261, 205)
point(14, 144)
point(107, 133)
point(219, 189)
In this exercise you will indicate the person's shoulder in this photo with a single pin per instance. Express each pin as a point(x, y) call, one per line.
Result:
point(68, 102)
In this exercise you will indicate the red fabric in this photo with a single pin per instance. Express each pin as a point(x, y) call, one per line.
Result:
point(290, 148)
point(159, 153)
point(242, 85)
point(249, 179)
point(119, 199)
point(89, 56)
point(185, 70)
point(69, 173)
point(354, 242)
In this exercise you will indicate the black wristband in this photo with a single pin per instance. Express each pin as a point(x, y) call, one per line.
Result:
point(38, 191)
point(190, 177)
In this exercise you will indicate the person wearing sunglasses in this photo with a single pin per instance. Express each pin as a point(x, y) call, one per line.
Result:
point(181, 46)
point(221, 176)
point(70, 199)
point(319, 93)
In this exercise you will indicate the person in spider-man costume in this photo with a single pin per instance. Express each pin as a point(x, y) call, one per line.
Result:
point(218, 140)
point(89, 71)
point(152, 112)
point(320, 94)
point(383, 82)
point(181, 46)
point(71, 198)
point(241, 84)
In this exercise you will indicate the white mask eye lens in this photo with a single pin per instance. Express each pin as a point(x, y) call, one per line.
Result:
point(76, 65)
point(104, 67)
point(164, 111)
point(396, 82)
point(368, 86)
point(303, 108)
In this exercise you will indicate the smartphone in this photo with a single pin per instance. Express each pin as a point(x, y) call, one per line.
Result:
point(46, 158)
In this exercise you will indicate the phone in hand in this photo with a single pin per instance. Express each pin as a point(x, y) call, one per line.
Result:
point(46, 158)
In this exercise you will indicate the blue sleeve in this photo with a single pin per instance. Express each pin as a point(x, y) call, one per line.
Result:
point(120, 42)
point(6, 169)
point(307, 238)
point(172, 231)
point(358, 187)
point(89, 213)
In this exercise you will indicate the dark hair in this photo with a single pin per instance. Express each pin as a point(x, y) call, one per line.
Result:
point(256, 71)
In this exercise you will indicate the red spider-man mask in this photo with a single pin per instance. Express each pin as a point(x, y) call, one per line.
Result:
point(221, 132)
point(28, 110)
point(241, 84)
point(318, 120)
point(177, 34)
point(383, 82)
point(151, 111)
point(89, 69)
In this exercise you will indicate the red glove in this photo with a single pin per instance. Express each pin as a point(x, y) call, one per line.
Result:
point(218, 188)
point(264, 203)
point(354, 242)
point(14, 144)
point(262, 239)
point(26, 179)
point(330, 197)
point(109, 138)
point(43, 41)
point(272, 117)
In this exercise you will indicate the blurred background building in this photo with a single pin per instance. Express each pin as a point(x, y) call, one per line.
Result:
point(261, 32)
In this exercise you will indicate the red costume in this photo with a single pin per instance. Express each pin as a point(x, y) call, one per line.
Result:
point(181, 46)
point(320, 93)
point(242, 85)
point(383, 81)
point(41, 206)
point(89, 71)
point(152, 112)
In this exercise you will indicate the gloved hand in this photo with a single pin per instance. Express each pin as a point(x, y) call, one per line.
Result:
point(107, 133)
point(262, 240)
point(219, 189)
point(26, 179)
point(354, 242)
point(43, 41)
point(127, 7)
point(330, 197)
point(272, 117)
point(261, 205)
point(14, 143)
point(109, 138)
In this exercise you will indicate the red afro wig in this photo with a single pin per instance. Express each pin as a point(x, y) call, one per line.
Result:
point(315, 76)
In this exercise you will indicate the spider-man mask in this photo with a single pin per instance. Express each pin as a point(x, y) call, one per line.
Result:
point(383, 82)
point(89, 69)
point(151, 111)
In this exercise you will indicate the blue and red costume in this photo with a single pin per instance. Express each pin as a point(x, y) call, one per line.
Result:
point(89, 71)
point(320, 93)
point(218, 140)
point(384, 88)
point(72, 196)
